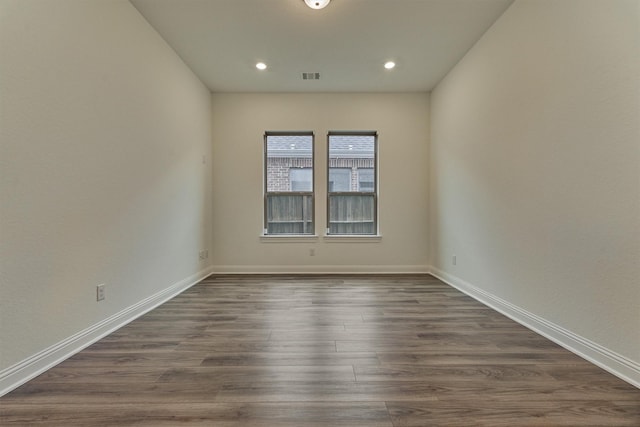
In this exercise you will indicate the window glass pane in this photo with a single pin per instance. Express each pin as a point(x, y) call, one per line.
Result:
point(289, 214)
point(350, 153)
point(339, 179)
point(352, 214)
point(286, 153)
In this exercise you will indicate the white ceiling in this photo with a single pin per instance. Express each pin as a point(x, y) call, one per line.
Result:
point(347, 42)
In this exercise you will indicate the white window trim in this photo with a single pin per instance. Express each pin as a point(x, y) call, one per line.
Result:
point(352, 238)
point(289, 238)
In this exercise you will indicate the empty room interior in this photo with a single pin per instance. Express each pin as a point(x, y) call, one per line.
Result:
point(320, 213)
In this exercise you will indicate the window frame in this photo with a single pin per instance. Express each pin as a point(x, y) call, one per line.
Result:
point(267, 193)
point(374, 193)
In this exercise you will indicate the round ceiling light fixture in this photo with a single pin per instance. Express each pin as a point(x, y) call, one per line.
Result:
point(389, 65)
point(261, 66)
point(317, 4)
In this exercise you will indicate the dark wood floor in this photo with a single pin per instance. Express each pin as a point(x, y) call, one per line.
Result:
point(323, 351)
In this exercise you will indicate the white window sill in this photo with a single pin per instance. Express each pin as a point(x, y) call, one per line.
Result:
point(352, 238)
point(289, 238)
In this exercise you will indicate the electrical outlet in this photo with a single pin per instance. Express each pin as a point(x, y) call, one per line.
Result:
point(312, 252)
point(100, 292)
point(202, 254)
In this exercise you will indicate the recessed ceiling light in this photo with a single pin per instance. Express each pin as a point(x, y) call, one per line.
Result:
point(389, 65)
point(317, 4)
point(261, 66)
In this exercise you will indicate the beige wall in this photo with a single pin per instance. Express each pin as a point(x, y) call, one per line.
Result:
point(239, 123)
point(102, 134)
point(535, 172)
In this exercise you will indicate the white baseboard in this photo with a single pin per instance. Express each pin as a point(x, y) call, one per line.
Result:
point(321, 269)
point(20, 373)
point(620, 366)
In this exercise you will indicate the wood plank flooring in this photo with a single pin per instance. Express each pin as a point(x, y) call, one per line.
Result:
point(323, 351)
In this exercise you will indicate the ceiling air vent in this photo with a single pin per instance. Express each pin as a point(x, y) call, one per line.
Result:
point(310, 76)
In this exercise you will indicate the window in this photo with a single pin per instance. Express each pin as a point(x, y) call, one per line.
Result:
point(288, 195)
point(352, 191)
